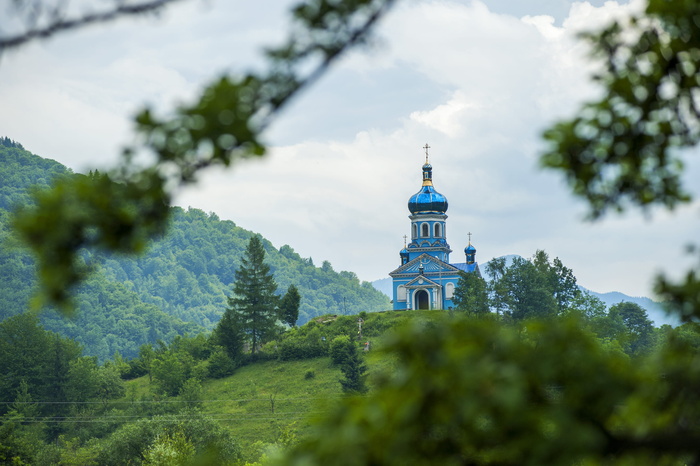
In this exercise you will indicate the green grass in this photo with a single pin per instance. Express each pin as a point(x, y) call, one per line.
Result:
point(245, 401)
point(261, 400)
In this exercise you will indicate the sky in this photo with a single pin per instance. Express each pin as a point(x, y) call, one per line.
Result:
point(476, 80)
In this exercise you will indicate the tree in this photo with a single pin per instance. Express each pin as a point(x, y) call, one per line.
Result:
point(340, 349)
point(535, 288)
point(354, 371)
point(471, 294)
point(560, 279)
point(146, 356)
point(496, 269)
point(528, 291)
point(639, 328)
point(253, 305)
point(220, 363)
point(171, 370)
point(289, 306)
point(228, 335)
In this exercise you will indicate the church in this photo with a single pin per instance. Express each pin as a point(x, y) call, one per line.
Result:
point(426, 279)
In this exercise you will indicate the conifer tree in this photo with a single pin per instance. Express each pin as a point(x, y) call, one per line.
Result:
point(253, 306)
point(289, 306)
point(355, 372)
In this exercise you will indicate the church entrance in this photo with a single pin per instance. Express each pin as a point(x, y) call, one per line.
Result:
point(422, 300)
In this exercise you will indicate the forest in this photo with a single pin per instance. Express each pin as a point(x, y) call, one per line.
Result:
point(179, 285)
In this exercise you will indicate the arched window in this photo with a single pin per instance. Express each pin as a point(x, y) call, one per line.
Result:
point(438, 231)
point(401, 293)
point(449, 290)
point(415, 231)
point(425, 230)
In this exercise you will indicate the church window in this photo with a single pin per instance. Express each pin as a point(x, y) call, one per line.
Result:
point(449, 290)
point(415, 231)
point(438, 233)
point(401, 293)
point(425, 230)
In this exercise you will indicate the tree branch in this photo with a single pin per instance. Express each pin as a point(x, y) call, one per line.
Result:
point(58, 24)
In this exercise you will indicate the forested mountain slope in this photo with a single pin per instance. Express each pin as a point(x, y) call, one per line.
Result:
point(180, 284)
point(190, 272)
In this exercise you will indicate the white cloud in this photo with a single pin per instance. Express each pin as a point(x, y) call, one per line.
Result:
point(479, 87)
point(445, 118)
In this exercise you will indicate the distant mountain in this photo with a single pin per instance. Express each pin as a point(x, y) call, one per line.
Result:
point(179, 285)
point(654, 309)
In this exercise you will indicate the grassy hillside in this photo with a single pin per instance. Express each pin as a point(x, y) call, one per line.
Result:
point(269, 400)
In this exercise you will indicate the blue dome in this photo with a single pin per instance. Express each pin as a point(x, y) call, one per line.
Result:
point(470, 249)
point(427, 200)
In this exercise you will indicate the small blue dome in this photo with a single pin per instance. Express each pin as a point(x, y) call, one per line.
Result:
point(427, 200)
point(470, 249)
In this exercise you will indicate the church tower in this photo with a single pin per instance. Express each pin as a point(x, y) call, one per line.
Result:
point(425, 278)
point(428, 217)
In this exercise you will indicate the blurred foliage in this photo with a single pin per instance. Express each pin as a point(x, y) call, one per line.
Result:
point(623, 149)
point(30, 20)
point(627, 149)
point(122, 209)
point(476, 391)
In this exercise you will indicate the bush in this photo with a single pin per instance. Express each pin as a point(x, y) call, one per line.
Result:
point(301, 344)
point(340, 350)
point(220, 364)
point(309, 375)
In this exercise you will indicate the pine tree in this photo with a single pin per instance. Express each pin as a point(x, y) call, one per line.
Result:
point(289, 306)
point(355, 373)
point(253, 306)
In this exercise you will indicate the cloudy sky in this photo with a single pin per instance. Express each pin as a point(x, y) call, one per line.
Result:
point(478, 81)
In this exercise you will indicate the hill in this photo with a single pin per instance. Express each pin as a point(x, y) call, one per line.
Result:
point(179, 285)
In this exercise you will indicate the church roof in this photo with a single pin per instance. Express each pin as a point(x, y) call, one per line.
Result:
point(430, 265)
point(464, 267)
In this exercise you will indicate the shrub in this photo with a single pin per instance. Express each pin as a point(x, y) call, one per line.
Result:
point(220, 364)
point(340, 350)
point(298, 344)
